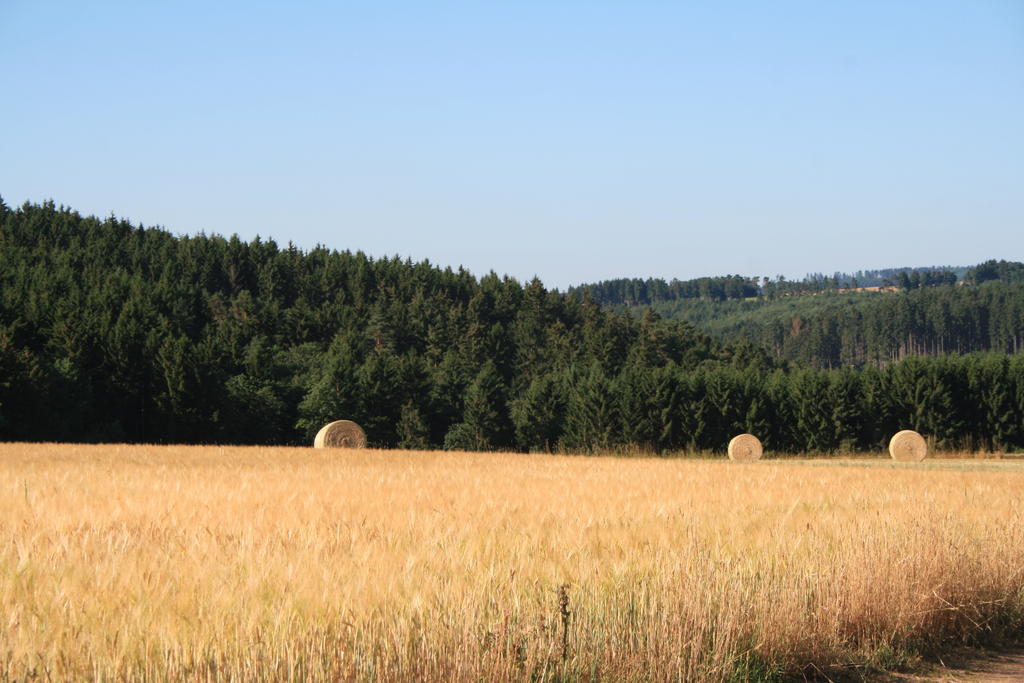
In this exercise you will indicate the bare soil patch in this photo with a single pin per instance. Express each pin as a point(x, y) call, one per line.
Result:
point(971, 665)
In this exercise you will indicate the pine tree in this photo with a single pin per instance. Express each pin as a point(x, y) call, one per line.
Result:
point(485, 425)
point(991, 392)
point(592, 416)
point(334, 393)
point(814, 428)
point(412, 429)
point(757, 417)
point(668, 401)
point(641, 421)
point(726, 411)
point(844, 399)
point(921, 398)
point(538, 414)
point(448, 382)
point(696, 421)
point(379, 383)
point(1016, 377)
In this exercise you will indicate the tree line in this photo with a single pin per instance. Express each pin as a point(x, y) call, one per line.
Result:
point(642, 292)
point(648, 291)
point(838, 329)
point(115, 332)
point(1004, 271)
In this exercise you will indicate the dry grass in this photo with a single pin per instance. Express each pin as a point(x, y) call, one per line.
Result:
point(256, 563)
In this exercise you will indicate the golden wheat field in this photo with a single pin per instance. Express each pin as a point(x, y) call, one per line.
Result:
point(146, 562)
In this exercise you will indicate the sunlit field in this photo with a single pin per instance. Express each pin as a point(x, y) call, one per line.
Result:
point(255, 563)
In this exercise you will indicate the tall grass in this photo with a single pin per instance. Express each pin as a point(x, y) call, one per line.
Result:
point(254, 563)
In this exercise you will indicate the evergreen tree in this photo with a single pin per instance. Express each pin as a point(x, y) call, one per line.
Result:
point(538, 414)
point(992, 394)
point(592, 413)
point(846, 404)
point(379, 383)
point(639, 415)
point(111, 331)
point(726, 413)
point(485, 424)
point(814, 427)
point(334, 394)
point(412, 429)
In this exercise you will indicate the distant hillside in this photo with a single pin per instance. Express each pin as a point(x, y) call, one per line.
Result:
point(844, 329)
point(824, 322)
point(642, 292)
point(637, 292)
point(884, 277)
point(1004, 271)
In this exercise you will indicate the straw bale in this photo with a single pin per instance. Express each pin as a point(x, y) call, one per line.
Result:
point(908, 446)
point(745, 447)
point(340, 434)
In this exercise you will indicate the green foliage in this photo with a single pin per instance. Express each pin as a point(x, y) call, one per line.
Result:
point(333, 392)
point(462, 438)
point(814, 425)
point(485, 424)
point(855, 329)
point(538, 414)
point(636, 292)
point(1006, 271)
point(990, 385)
point(593, 417)
point(412, 429)
point(110, 331)
point(655, 291)
point(638, 407)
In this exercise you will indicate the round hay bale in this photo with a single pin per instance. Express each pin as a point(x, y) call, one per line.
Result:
point(340, 434)
point(908, 446)
point(745, 447)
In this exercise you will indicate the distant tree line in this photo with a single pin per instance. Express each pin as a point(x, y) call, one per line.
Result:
point(116, 332)
point(917, 279)
point(834, 330)
point(1004, 271)
point(644, 292)
point(924, 276)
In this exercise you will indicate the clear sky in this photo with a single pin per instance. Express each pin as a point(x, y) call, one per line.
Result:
point(573, 140)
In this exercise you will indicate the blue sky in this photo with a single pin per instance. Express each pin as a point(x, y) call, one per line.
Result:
point(576, 141)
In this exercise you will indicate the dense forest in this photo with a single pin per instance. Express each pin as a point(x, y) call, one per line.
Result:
point(854, 329)
point(115, 332)
point(923, 311)
point(638, 292)
point(643, 292)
